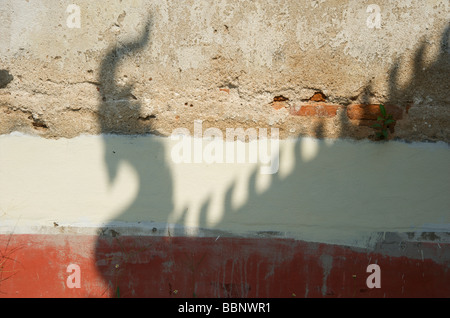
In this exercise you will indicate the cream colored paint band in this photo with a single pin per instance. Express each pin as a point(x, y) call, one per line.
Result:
point(335, 191)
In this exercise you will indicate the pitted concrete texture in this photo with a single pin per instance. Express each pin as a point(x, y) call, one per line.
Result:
point(138, 66)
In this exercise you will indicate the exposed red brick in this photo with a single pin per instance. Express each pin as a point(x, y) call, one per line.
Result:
point(372, 111)
point(318, 97)
point(318, 110)
point(278, 105)
point(279, 102)
point(226, 90)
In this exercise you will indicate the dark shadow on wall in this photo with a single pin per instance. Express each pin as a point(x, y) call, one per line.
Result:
point(288, 193)
point(429, 81)
point(120, 113)
point(426, 93)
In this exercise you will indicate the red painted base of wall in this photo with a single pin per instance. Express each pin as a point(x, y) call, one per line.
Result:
point(37, 266)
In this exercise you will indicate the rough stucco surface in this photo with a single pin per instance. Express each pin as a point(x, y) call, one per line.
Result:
point(224, 62)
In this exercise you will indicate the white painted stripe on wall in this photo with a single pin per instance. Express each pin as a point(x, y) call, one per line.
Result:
point(326, 191)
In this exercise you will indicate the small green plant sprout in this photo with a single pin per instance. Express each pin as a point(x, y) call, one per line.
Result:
point(382, 125)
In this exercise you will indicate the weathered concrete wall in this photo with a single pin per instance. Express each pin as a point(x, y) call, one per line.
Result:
point(148, 66)
point(132, 216)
